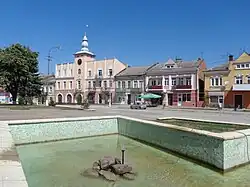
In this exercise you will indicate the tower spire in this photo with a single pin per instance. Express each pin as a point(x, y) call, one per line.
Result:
point(85, 46)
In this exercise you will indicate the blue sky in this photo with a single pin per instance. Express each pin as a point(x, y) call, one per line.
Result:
point(136, 32)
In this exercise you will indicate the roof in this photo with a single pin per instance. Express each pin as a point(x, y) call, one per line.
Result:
point(180, 67)
point(244, 57)
point(130, 71)
point(222, 67)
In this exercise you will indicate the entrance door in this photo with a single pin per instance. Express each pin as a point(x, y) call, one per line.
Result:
point(170, 99)
point(100, 99)
point(129, 99)
point(238, 101)
point(179, 99)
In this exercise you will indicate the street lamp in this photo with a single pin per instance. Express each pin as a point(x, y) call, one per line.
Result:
point(50, 57)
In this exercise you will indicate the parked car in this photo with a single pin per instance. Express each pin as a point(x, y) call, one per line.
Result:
point(138, 105)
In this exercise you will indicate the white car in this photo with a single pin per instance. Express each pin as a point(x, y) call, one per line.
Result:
point(138, 105)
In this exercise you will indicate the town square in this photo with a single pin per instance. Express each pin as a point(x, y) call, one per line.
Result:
point(124, 93)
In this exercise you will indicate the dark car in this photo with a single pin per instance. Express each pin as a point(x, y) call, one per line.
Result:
point(138, 105)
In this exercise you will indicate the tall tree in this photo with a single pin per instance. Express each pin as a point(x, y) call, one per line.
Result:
point(19, 71)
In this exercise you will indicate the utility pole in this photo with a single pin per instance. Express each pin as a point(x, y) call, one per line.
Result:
point(50, 57)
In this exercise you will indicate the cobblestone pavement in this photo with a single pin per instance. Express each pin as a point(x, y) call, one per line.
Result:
point(150, 113)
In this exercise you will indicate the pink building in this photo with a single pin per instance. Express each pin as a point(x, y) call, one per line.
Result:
point(179, 83)
point(87, 77)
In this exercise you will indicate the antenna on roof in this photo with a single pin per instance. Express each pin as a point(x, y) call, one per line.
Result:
point(202, 55)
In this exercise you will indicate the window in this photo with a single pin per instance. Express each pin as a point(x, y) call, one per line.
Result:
point(135, 84)
point(65, 72)
point(186, 97)
point(79, 84)
point(248, 80)
point(89, 84)
point(216, 81)
point(50, 89)
point(110, 72)
point(129, 84)
point(123, 84)
point(99, 72)
point(110, 84)
point(79, 71)
point(71, 72)
point(79, 62)
point(153, 82)
point(174, 81)
point(140, 84)
point(188, 81)
point(119, 84)
point(242, 66)
point(58, 85)
point(89, 73)
point(166, 82)
point(105, 84)
point(59, 73)
point(70, 85)
point(159, 82)
point(64, 84)
point(238, 80)
point(100, 83)
point(181, 81)
point(94, 84)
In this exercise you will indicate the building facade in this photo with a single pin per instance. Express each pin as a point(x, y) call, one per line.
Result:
point(130, 83)
point(179, 83)
point(48, 89)
point(216, 80)
point(65, 84)
point(231, 81)
point(87, 78)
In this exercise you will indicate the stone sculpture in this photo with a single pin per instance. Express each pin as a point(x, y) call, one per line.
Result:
point(110, 168)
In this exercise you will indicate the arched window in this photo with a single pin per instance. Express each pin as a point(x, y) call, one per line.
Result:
point(79, 71)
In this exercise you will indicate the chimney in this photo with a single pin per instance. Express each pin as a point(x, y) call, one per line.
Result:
point(178, 60)
point(230, 57)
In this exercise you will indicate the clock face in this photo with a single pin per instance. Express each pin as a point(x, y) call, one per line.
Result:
point(79, 61)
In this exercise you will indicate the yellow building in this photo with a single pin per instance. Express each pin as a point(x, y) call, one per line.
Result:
point(229, 84)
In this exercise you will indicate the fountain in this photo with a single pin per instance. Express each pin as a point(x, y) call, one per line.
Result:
point(110, 168)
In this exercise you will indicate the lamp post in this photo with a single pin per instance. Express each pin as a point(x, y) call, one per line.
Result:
point(50, 57)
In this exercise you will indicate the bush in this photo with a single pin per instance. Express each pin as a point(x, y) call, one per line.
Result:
point(52, 103)
point(21, 101)
point(85, 104)
point(79, 99)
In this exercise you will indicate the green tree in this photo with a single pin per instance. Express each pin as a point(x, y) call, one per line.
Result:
point(19, 71)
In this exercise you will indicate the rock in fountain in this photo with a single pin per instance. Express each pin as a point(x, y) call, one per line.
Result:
point(110, 168)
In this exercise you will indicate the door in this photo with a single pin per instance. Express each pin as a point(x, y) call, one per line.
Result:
point(129, 99)
point(238, 101)
point(179, 99)
point(170, 99)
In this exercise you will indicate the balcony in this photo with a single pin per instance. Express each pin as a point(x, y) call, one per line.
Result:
point(181, 87)
point(241, 87)
point(158, 87)
point(91, 88)
point(217, 88)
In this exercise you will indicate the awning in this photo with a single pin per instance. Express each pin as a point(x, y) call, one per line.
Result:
point(149, 96)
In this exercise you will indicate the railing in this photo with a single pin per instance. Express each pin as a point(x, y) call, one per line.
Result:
point(158, 87)
point(174, 87)
point(217, 88)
